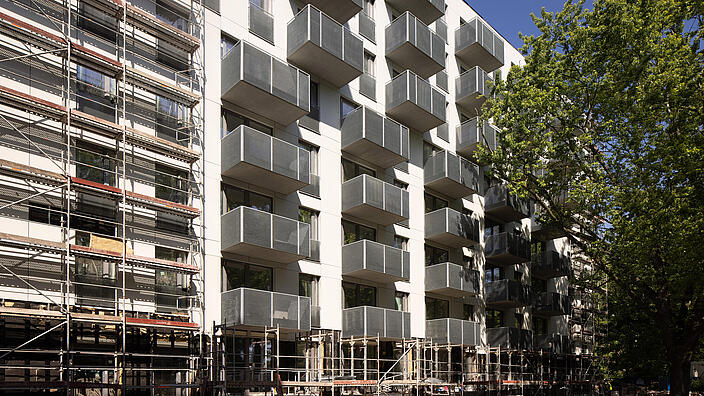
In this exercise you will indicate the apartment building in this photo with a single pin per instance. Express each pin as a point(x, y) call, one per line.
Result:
point(246, 195)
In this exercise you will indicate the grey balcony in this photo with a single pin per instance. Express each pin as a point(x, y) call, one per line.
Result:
point(321, 46)
point(506, 248)
point(254, 233)
point(367, 27)
point(375, 262)
point(315, 316)
point(415, 103)
point(414, 46)
point(507, 293)
point(451, 279)
point(374, 138)
point(477, 45)
point(313, 188)
point(451, 175)
point(501, 204)
point(261, 23)
point(472, 90)
point(441, 29)
point(366, 321)
point(451, 228)
point(471, 134)
point(453, 331)
point(263, 160)
point(555, 343)
point(427, 10)
point(367, 86)
point(551, 304)
point(314, 250)
point(258, 82)
point(549, 264)
point(509, 338)
point(374, 200)
point(339, 10)
point(253, 308)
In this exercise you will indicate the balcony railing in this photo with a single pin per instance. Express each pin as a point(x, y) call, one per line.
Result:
point(261, 308)
point(414, 46)
point(472, 90)
point(375, 138)
point(451, 228)
point(261, 23)
point(375, 261)
point(321, 46)
point(451, 175)
point(313, 188)
point(262, 84)
point(549, 264)
point(427, 10)
point(477, 45)
point(451, 280)
point(471, 134)
point(415, 103)
point(367, 27)
point(255, 233)
point(453, 331)
point(501, 204)
point(551, 304)
point(507, 293)
point(315, 316)
point(555, 343)
point(506, 248)
point(370, 198)
point(509, 338)
point(263, 160)
point(366, 321)
point(339, 10)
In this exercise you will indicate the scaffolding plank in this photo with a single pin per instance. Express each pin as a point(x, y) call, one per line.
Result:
point(31, 104)
point(29, 172)
point(96, 60)
point(162, 263)
point(95, 124)
point(149, 23)
point(30, 34)
point(161, 145)
point(161, 323)
point(173, 91)
point(95, 186)
point(162, 204)
point(23, 241)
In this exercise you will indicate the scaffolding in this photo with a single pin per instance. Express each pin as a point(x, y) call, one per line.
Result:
point(102, 246)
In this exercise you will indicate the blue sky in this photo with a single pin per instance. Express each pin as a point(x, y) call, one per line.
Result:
point(509, 17)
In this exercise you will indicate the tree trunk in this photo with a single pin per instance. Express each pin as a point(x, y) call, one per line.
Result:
point(679, 373)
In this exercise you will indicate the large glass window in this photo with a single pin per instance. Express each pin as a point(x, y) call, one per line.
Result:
point(468, 312)
point(435, 255)
point(369, 63)
point(350, 170)
point(96, 21)
point(429, 150)
point(46, 214)
point(171, 16)
point(346, 107)
point(226, 44)
point(234, 197)
point(353, 232)
point(433, 203)
point(356, 295)
point(540, 326)
point(309, 216)
point(436, 308)
point(494, 274)
point(171, 184)
point(168, 254)
point(314, 101)
point(96, 93)
point(171, 121)
point(539, 285)
point(238, 274)
point(401, 300)
point(494, 319)
point(231, 120)
point(95, 269)
point(95, 163)
point(308, 287)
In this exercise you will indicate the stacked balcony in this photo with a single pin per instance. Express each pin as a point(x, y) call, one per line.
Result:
point(375, 138)
point(261, 23)
point(549, 264)
point(507, 293)
point(472, 89)
point(451, 279)
point(506, 248)
point(256, 81)
point(451, 175)
point(371, 199)
point(451, 228)
point(414, 46)
point(555, 343)
point(263, 160)
point(551, 304)
point(374, 261)
point(453, 331)
point(323, 47)
point(471, 134)
point(501, 204)
point(427, 10)
point(366, 321)
point(477, 45)
point(415, 103)
point(340, 10)
point(252, 308)
point(509, 338)
point(254, 233)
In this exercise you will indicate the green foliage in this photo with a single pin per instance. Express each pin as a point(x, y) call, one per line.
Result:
point(602, 128)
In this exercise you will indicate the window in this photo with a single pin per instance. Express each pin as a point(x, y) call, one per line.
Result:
point(96, 93)
point(226, 44)
point(436, 308)
point(356, 295)
point(539, 285)
point(314, 101)
point(308, 287)
point(537, 247)
point(172, 17)
point(313, 150)
point(394, 72)
point(309, 216)
point(172, 223)
point(433, 203)
point(518, 276)
point(93, 219)
point(238, 274)
point(369, 67)
point(401, 300)
point(518, 320)
point(468, 261)
point(346, 107)
point(350, 170)
point(494, 274)
point(46, 214)
point(468, 312)
point(170, 281)
point(263, 4)
point(434, 255)
point(95, 163)
point(233, 197)
point(95, 269)
point(540, 326)
point(97, 21)
point(171, 121)
point(171, 184)
point(171, 56)
point(401, 243)
point(429, 150)
point(491, 228)
point(231, 120)
point(354, 232)
point(368, 8)
point(494, 319)
point(164, 253)
point(401, 185)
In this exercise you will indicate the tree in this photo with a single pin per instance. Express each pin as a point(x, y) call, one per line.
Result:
point(602, 129)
